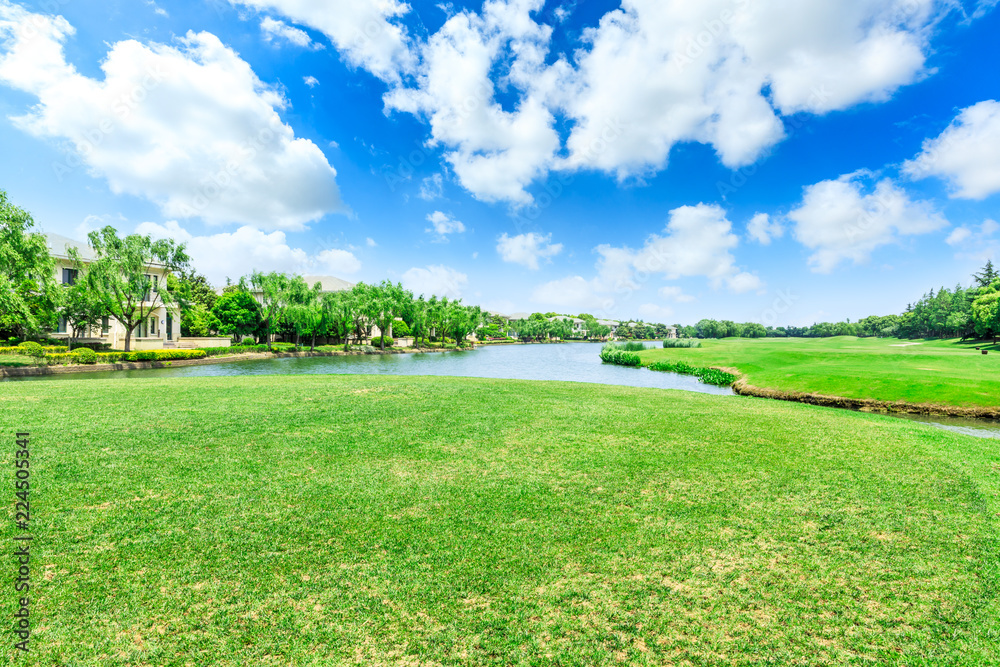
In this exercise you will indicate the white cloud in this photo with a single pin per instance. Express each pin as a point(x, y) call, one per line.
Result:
point(275, 30)
point(495, 153)
point(366, 33)
point(650, 312)
point(370, 242)
point(442, 225)
point(763, 229)
point(312, 82)
point(527, 249)
point(156, 8)
point(697, 242)
point(839, 221)
point(231, 255)
point(967, 154)
point(435, 280)
point(190, 128)
point(658, 74)
point(651, 75)
point(432, 187)
point(676, 294)
point(959, 235)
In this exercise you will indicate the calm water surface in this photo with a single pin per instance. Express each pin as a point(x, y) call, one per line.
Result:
point(570, 362)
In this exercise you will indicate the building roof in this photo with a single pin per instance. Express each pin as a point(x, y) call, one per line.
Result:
point(329, 283)
point(59, 247)
point(564, 318)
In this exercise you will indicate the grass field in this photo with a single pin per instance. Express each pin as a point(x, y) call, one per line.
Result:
point(941, 372)
point(327, 520)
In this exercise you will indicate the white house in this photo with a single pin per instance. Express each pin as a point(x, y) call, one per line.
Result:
point(162, 327)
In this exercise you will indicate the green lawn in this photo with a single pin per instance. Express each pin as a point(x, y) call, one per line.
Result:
point(327, 520)
point(16, 361)
point(942, 372)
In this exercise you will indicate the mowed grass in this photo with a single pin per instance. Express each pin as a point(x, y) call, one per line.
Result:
point(936, 371)
point(337, 520)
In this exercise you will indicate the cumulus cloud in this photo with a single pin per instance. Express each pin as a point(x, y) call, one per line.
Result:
point(763, 229)
point(190, 127)
point(649, 76)
point(966, 154)
point(310, 81)
point(231, 255)
point(527, 249)
point(697, 242)
point(442, 225)
point(495, 153)
point(843, 219)
point(278, 31)
point(367, 34)
point(370, 242)
point(436, 280)
point(976, 244)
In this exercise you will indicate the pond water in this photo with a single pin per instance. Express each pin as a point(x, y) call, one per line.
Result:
point(570, 362)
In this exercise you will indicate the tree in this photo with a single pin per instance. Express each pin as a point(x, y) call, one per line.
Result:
point(83, 308)
point(385, 305)
point(340, 308)
point(29, 295)
point(986, 311)
point(987, 276)
point(236, 313)
point(272, 288)
point(125, 271)
point(463, 320)
point(303, 309)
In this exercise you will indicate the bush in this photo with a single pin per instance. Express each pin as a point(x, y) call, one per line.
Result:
point(236, 349)
point(401, 329)
point(377, 342)
point(85, 355)
point(55, 349)
point(706, 375)
point(614, 354)
point(31, 349)
point(283, 347)
point(632, 347)
point(247, 341)
point(681, 342)
point(110, 357)
point(432, 339)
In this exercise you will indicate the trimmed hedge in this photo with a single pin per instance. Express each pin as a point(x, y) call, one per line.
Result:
point(85, 355)
point(377, 342)
point(31, 349)
point(235, 349)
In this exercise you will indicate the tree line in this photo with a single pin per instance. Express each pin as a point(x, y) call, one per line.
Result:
point(965, 313)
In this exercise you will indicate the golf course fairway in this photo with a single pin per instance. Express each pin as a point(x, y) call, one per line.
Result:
point(340, 520)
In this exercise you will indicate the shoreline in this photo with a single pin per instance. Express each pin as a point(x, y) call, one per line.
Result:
point(870, 405)
point(43, 371)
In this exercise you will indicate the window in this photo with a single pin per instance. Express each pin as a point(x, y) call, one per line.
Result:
point(62, 325)
point(69, 276)
point(152, 326)
point(105, 326)
point(149, 282)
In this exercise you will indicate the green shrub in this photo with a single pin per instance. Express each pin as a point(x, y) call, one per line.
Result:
point(61, 358)
point(614, 354)
point(283, 347)
point(110, 357)
point(236, 349)
point(706, 375)
point(681, 342)
point(85, 355)
point(377, 342)
point(247, 341)
point(401, 329)
point(55, 349)
point(31, 349)
point(632, 347)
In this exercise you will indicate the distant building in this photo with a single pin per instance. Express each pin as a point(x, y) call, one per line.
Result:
point(161, 329)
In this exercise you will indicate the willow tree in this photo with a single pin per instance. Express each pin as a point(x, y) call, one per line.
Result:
point(271, 291)
point(125, 274)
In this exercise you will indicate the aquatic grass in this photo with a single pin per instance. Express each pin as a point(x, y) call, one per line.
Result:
point(378, 520)
point(681, 342)
point(616, 354)
point(706, 375)
point(631, 346)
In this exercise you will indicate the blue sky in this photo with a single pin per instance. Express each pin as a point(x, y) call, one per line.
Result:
point(770, 161)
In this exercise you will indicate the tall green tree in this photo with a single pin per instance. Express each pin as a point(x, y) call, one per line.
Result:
point(125, 272)
point(986, 311)
point(272, 293)
point(341, 308)
point(29, 294)
point(236, 313)
point(987, 276)
point(84, 308)
point(385, 304)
